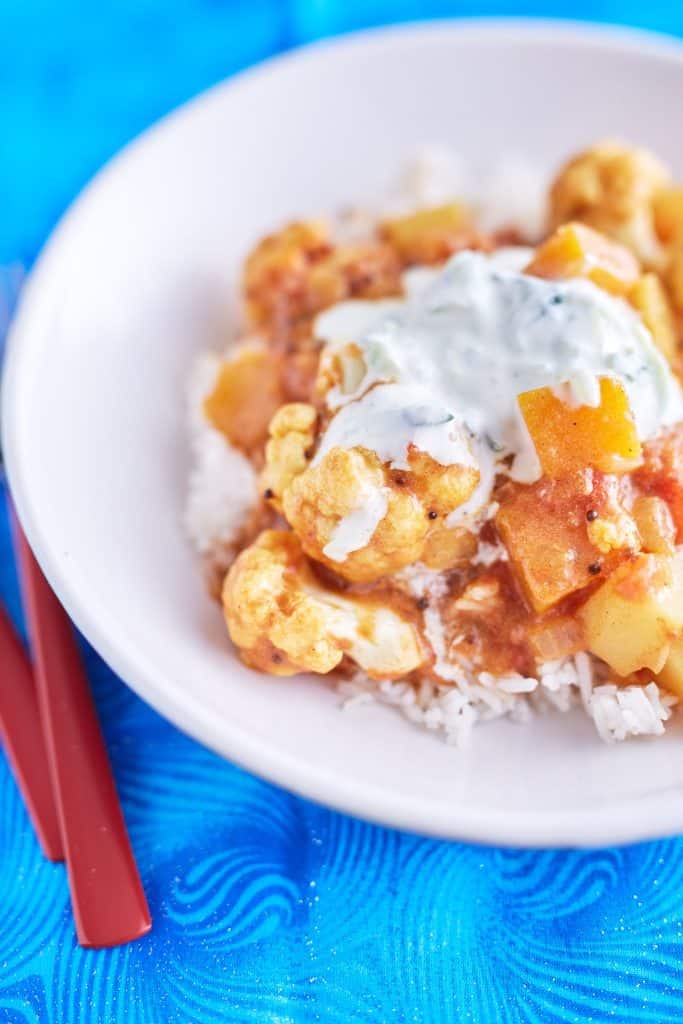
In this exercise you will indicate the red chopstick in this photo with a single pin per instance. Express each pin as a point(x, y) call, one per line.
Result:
point(106, 892)
point(22, 739)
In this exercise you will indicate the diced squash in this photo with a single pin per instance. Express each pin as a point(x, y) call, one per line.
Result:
point(671, 676)
point(245, 396)
point(544, 527)
point(632, 620)
point(575, 250)
point(430, 235)
point(667, 208)
point(648, 297)
point(655, 525)
point(673, 277)
point(572, 437)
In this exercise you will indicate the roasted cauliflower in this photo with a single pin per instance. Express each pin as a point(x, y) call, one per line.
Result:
point(351, 487)
point(611, 188)
point(284, 621)
point(349, 494)
point(293, 274)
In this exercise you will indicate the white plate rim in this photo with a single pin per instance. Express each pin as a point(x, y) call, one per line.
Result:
point(568, 828)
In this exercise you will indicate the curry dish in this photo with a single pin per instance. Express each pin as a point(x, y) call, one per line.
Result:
point(468, 451)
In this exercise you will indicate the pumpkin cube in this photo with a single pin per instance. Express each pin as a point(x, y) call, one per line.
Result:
point(545, 528)
point(575, 250)
point(634, 617)
point(568, 438)
point(430, 235)
point(245, 396)
point(648, 297)
point(673, 277)
point(667, 209)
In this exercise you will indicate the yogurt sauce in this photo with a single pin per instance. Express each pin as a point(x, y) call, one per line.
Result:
point(450, 359)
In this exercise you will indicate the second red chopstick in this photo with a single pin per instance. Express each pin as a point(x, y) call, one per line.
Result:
point(22, 739)
point(108, 899)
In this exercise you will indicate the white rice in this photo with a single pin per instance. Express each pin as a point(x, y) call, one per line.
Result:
point(623, 711)
point(509, 194)
point(618, 712)
point(513, 194)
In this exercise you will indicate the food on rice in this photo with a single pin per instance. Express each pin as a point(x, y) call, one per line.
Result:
point(446, 461)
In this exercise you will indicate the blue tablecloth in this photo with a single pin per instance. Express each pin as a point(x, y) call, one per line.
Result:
point(266, 908)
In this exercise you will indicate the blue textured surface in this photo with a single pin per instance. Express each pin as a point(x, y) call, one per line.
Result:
point(266, 908)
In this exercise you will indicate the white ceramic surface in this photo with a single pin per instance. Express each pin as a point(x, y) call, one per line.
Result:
point(141, 274)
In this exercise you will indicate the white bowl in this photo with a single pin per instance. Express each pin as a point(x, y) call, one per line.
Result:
point(141, 274)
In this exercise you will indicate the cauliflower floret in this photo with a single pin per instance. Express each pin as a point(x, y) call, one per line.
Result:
point(292, 434)
point(439, 488)
point(292, 275)
point(364, 520)
point(277, 265)
point(284, 621)
point(368, 270)
point(389, 521)
point(611, 187)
